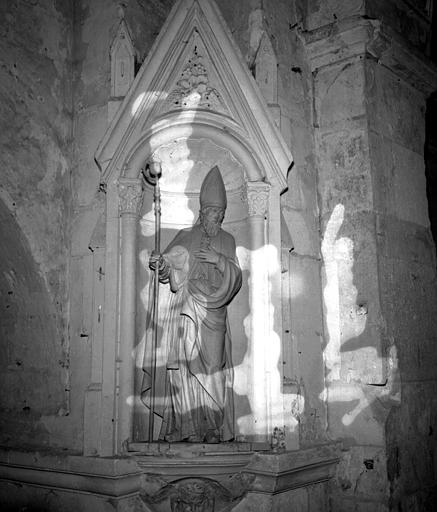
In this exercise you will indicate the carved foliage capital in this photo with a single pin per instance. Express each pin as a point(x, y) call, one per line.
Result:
point(257, 198)
point(130, 194)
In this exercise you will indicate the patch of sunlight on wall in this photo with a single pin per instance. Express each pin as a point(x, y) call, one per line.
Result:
point(338, 261)
point(345, 386)
point(136, 104)
point(258, 376)
point(297, 287)
point(144, 96)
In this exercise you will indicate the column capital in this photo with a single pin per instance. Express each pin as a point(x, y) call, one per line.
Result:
point(257, 198)
point(130, 194)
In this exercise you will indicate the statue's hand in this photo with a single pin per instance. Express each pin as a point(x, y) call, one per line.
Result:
point(155, 260)
point(208, 255)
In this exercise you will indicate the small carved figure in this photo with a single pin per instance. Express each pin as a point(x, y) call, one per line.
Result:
point(278, 439)
point(201, 268)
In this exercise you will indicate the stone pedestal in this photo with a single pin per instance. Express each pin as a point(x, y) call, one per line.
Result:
point(52, 481)
point(159, 476)
point(233, 476)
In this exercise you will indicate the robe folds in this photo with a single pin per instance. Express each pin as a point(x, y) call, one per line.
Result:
point(194, 374)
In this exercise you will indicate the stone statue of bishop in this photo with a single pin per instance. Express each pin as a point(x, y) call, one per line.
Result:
point(202, 270)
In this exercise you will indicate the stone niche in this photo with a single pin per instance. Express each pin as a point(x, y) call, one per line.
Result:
point(185, 163)
point(191, 107)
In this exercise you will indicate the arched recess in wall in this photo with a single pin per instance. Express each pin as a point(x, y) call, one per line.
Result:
point(203, 125)
point(31, 376)
point(229, 116)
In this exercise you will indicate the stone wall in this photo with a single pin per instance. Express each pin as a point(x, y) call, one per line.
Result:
point(357, 252)
point(35, 132)
point(377, 249)
point(407, 273)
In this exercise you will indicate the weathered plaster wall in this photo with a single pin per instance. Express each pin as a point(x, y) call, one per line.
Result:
point(379, 262)
point(31, 384)
point(35, 129)
point(353, 350)
point(407, 272)
point(302, 313)
point(409, 18)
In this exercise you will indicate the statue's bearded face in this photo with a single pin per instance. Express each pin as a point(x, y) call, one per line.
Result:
point(211, 218)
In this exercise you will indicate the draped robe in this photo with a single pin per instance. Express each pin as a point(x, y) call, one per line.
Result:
point(194, 387)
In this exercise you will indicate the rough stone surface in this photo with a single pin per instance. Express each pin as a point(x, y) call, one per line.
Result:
point(35, 132)
point(362, 478)
point(359, 266)
point(378, 255)
point(407, 277)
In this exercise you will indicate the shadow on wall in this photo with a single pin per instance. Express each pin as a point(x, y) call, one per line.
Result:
point(431, 162)
point(32, 376)
point(361, 382)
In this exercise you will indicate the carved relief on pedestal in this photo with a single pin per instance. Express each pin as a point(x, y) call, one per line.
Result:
point(194, 494)
point(130, 196)
point(278, 440)
point(257, 198)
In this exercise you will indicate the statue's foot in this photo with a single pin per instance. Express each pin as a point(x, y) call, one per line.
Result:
point(194, 439)
point(212, 437)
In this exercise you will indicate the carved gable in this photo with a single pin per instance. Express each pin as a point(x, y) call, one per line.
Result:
point(195, 74)
point(197, 85)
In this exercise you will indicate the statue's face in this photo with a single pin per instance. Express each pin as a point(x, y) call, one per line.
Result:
point(211, 218)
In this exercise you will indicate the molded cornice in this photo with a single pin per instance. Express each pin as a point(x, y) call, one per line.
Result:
point(358, 37)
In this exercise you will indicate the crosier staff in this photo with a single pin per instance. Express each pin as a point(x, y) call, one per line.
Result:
point(152, 173)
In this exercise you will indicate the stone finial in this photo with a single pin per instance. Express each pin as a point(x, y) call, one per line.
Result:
point(130, 196)
point(257, 198)
point(122, 61)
